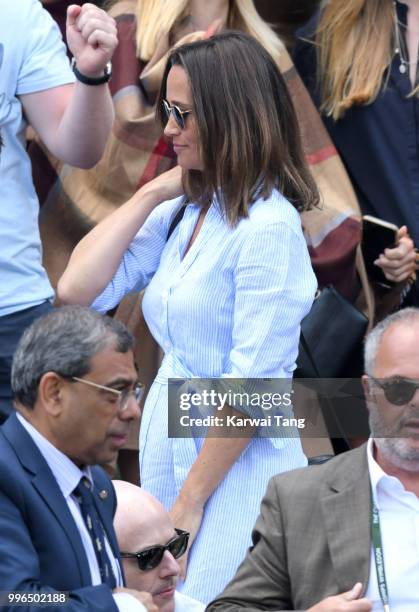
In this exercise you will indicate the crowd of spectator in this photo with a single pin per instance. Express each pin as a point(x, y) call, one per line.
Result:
point(173, 201)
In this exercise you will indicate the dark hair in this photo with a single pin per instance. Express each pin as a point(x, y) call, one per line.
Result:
point(247, 126)
point(63, 341)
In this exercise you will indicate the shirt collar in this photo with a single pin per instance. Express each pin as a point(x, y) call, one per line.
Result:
point(375, 471)
point(382, 484)
point(66, 473)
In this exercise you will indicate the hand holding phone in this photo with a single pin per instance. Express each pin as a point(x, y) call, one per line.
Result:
point(377, 236)
point(395, 253)
point(400, 263)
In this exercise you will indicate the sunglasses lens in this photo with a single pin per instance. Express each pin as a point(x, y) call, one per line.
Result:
point(400, 393)
point(179, 545)
point(150, 559)
point(177, 115)
point(166, 109)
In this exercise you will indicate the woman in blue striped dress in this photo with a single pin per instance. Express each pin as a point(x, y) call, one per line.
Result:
point(226, 292)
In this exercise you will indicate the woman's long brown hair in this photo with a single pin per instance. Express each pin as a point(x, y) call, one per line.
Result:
point(250, 141)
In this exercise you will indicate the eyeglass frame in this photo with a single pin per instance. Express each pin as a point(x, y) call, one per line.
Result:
point(136, 392)
point(162, 547)
point(395, 380)
point(180, 117)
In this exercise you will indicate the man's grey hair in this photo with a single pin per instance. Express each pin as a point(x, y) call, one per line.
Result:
point(63, 341)
point(373, 339)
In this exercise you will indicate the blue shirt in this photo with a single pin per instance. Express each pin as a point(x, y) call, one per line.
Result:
point(378, 142)
point(232, 305)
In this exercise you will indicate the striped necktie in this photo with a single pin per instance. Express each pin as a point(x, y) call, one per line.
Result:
point(84, 496)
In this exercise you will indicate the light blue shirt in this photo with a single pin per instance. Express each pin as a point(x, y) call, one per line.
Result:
point(32, 59)
point(232, 305)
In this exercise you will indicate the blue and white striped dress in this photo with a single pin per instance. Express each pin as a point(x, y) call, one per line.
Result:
point(230, 308)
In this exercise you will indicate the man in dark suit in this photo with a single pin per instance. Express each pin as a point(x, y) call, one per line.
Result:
point(313, 547)
point(76, 393)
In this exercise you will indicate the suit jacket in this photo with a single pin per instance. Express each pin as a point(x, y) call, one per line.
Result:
point(311, 540)
point(40, 546)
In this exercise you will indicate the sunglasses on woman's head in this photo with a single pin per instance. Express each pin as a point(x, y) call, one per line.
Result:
point(178, 114)
point(397, 390)
point(151, 557)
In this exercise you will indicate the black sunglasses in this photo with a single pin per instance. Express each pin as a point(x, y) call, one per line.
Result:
point(178, 114)
point(151, 557)
point(398, 390)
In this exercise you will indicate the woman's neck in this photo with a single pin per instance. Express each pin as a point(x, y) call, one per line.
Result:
point(204, 13)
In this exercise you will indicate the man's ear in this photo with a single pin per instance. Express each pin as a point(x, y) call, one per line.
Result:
point(366, 385)
point(51, 392)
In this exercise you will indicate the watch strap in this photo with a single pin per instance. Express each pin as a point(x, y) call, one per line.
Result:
point(86, 80)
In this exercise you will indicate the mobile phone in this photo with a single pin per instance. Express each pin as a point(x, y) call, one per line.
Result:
point(377, 235)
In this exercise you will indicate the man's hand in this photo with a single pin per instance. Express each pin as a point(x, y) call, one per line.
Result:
point(143, 597)
point(345, 602)
point(91, 37)
point(399, 263)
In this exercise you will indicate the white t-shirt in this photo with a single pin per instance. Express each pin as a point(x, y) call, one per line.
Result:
point(32, 58)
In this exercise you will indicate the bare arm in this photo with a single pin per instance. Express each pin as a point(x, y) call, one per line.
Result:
point(74, 121)
point(96, 258)
point(215, 459)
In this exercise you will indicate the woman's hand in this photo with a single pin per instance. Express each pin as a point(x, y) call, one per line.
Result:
point(399, 263)
point(166, 186)
point(186, 515)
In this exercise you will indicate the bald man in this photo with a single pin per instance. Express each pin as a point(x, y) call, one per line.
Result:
point(149, 546)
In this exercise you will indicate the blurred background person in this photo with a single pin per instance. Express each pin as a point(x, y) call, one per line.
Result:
point(225, 293)
point(73, 119)
point(359, 62)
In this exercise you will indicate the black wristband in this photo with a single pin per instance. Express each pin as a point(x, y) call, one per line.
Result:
point(92, 80)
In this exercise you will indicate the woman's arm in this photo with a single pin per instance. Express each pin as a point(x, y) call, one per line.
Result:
point(96, 258)
point(215, 459)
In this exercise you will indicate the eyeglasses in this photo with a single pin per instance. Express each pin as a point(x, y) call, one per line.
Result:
point(124, 395)
point(178, 115)
point(398, 390)
point(151, 557)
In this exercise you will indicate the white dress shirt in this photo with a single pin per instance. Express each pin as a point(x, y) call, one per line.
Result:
point(184, 603)
point(68, 475)
point(399, 523)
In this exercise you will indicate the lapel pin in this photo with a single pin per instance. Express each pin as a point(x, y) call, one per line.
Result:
point(103, 494)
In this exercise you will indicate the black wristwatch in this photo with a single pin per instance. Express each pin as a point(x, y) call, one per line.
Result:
point(92, 80)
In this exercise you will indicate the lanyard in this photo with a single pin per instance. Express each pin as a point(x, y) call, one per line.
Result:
point(378, 554)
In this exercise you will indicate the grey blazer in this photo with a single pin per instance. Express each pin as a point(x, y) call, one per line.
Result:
point(311, 540)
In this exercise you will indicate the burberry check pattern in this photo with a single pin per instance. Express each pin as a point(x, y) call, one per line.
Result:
point(84, 496)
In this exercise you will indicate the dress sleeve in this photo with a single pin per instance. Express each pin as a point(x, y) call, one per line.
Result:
point(141, 259)
point(45, 63)
point(274, 289)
